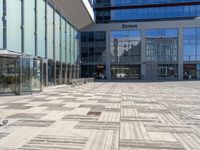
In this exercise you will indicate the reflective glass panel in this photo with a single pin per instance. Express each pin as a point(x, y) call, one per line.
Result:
point(162, 45)
point(41, 28)
point(57, 36)
point(63, 40)
point(14, 25)
point(100, 3)
point(146, 13)
point(31, 75)
point(72, 45)
point(8, 75)
point(125, 46)
point(125, 71)
point(68, 43)
point(191, 46)
point(50, 32)
point(1, 24)
point(29, 27)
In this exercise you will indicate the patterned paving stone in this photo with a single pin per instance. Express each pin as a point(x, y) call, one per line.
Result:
point(104, 116)
point(55, 143)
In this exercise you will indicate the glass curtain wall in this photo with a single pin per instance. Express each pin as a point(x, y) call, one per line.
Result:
point(162, 45)
point(57, 36)
point(100, 3)
point(191, 53)
point(68, 43)
point(93, 47)
point(125, 47)
point(161, 54)
point(1, 24)
point(191, 45)
point(50, 34)
point(29, 27)
point(93, 54)
point(110, 10)
point(155, 13)
point(63, 39)
point(14, 18)
point(41, 28)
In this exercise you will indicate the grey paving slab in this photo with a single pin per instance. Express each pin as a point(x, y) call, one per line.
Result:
point(104, 116)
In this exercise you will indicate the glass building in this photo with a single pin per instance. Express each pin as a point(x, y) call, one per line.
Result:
point(39, 43)
point(143, 40)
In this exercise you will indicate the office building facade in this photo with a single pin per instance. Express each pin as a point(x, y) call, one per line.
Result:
point(142, 40)
point(39, 42)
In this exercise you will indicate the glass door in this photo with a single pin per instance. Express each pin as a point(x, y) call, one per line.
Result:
point(30, 75)
point(8, 75)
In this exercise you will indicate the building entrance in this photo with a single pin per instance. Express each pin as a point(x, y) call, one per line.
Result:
point(125, 71)
point(20, 74)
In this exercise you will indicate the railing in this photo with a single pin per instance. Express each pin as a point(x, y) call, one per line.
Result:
point(78, 82)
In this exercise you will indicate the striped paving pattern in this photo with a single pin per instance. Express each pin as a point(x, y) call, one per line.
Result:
point(104, 116)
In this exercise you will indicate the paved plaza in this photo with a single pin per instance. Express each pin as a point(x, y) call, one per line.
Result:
point(104, 116)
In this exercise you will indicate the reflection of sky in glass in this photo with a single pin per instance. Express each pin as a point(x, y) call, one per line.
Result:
point(126, 34)
point(142, 2)
point(155, 13)
point(168, 33)
point(125, 45)
point(191, 45)
point(1, 25)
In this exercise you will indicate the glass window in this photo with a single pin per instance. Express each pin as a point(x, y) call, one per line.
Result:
point(167, 70)
point(162, 45)
point(50, 32)
point(126, 46)
point(1, 24)
point(125, 71)
point(72, 45)
point(41, 28)
point(63, 48)
point(147, 13)
point(68, 43)
point(198, 52)
point(191, 44)
point(57, 36)
point(29, 27)
point(75, 46)
point(14, 25)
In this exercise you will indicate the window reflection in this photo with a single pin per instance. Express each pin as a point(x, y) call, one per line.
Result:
point(93, 47)
point(144, 13)
point(57, 37)
point(125, 71)
point(191, 44)
point(125, 46)
point(14, 18)
point(63, 33)
point(29, 28)
point(1, 24)
point(162, 45)
point(41, 28)
point(100, 3)
point(50, 32)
